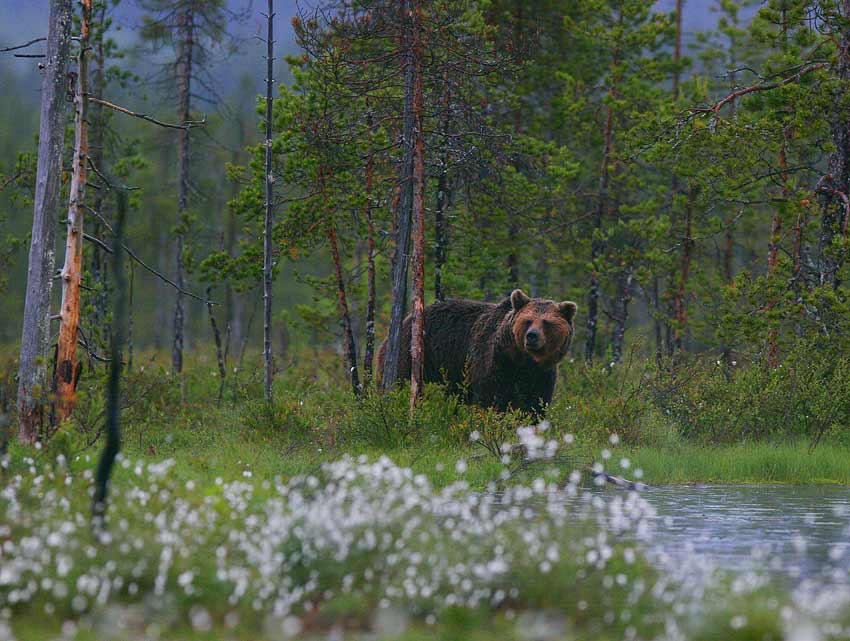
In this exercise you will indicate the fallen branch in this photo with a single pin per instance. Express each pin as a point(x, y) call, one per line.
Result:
point(186, 125)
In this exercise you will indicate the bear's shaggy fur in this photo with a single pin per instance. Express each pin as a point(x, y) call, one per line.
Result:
point(501, 355)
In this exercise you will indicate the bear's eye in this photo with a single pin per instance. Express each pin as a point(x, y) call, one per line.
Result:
point(547, 324)
point(527, 324)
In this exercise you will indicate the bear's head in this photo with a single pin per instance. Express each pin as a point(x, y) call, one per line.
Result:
point(542, 328)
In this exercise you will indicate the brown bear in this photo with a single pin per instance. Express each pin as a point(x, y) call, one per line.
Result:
point(501, 355)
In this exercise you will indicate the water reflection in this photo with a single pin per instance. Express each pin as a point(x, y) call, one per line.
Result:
point(793, 533)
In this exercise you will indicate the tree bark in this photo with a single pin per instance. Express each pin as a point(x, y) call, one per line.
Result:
point(596, 244)
point(401, 257)
point(680, 305)
point(417, 338)
point(348, 335)
point(184, 83)
point(67, 366)
point(369, 348)
point(621, 314)
point(443, 198)
point(838, 169)
point(113, 398)
point(773, 251)
point(35, 337)
point(268, 356)
point(97, 265)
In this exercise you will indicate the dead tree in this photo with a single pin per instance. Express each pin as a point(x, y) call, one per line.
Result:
point(268, 356)
point(417, 339)
point(35, 337)
point(67, 367)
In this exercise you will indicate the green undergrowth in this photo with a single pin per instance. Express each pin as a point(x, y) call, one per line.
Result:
point(697, 422)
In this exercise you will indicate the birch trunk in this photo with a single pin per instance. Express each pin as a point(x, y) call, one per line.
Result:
point(35, 336)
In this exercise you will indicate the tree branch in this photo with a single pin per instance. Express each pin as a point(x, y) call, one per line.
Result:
point(715, 109)
point(186, 125)
point(23, 46)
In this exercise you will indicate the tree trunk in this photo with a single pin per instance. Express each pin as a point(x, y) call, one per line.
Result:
point(348, 335)
point(369, 349)
point(837, 187)
point(680, 305)
point(35, 337)
point(443, 198)
point(621, 314)
point(97, 265)
point(67, 366)
point(401, 258)
point(130, 318)
point(773, 251)
point(268, 356)
point(220, 354)
point(113, 398)
point(596, 244)
point(417, 333)
point(184, 83)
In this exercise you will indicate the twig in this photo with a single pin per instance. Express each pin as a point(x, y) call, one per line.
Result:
point(10, 180)
point(186, 125)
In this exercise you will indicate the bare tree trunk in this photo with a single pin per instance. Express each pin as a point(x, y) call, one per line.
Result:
point(674, 334)
point(220, 354)
point(184, 84)
point(35, 336)
point(656, 320)
point(348, 335)
point(130, 318)
point(67, 367)
point(113, 398)
point(369, 348)
point(597, 246)
point(268, 355)
point(440, 223)
point(99, 273)
point(680, 306)
point(621, 314)
point(417, 333)
point(401, 258)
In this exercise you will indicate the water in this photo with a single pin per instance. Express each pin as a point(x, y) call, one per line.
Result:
point(795, 534)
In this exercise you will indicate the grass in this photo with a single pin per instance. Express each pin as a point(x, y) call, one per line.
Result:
point(746, 463)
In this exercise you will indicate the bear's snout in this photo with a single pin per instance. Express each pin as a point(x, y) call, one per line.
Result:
point(533, 339)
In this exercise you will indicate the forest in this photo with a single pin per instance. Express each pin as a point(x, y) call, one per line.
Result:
point(237, 395)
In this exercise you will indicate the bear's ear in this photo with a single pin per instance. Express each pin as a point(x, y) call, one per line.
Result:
point(518, 299)
point(568, 309)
